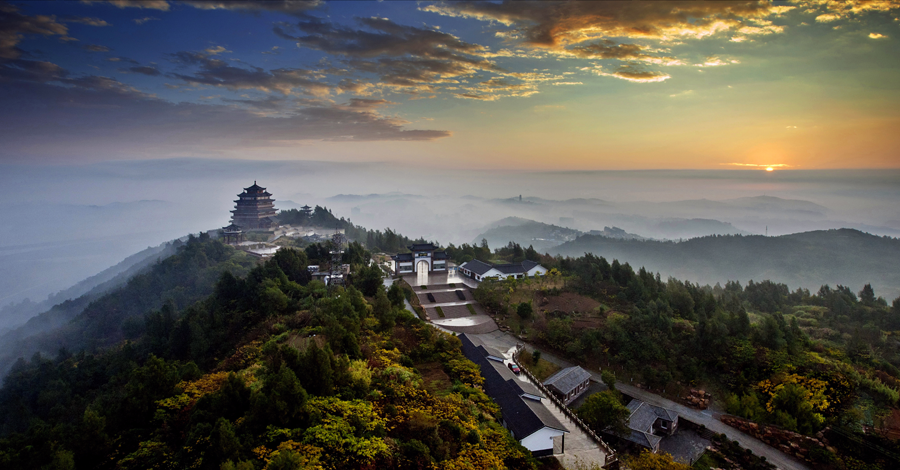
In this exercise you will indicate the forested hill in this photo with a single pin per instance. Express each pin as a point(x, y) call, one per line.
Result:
point(92, 321)
point(269, 371)
point(810, 259)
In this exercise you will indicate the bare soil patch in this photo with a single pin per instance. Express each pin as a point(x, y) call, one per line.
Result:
point(566, 302)
point(434, 378)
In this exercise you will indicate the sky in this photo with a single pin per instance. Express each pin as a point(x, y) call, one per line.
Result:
point(517, 86)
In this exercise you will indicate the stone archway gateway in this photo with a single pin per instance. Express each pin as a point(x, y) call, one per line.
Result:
point(422, 267)
point(423, 258)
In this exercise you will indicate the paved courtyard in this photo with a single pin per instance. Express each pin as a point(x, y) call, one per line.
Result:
point(685, 446)
point(456, 314)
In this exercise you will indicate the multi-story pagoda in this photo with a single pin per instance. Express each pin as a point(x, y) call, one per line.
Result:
point(254, 210)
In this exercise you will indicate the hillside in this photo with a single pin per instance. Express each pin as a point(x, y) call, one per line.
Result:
point(810, 260)
point(269, 371)
point(14, 315)
point(95, 320)
point(527, 233)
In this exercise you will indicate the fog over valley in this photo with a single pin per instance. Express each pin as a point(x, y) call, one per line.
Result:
point(65, 223)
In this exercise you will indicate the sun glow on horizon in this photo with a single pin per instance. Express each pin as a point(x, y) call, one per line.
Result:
point(768, 167)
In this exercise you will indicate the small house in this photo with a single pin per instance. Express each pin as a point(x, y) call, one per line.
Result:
point(650, 423)
point(569, 383)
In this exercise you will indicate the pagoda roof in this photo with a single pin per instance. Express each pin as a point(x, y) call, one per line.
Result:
point(232, 228)
point(255, 188)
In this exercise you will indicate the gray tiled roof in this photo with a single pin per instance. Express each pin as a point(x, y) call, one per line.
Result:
point(528, 264)
point(477, 267)
point(522, 416)
point(403, 257)
point(643, 415)
point(480, 267)
point(567, 379)
point(644, 438)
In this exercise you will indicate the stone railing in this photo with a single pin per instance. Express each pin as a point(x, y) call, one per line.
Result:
point(610, 453)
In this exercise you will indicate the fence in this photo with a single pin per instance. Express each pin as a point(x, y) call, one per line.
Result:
point(610, 453)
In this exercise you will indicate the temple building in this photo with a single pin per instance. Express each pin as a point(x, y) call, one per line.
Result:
point(254, 210)
point(424, 259)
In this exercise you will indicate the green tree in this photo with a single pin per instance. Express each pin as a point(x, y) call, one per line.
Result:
point(369, 280)
point(395, 295)
point(867, 296)
point(647, 460)
point(604, 411)
point(536, 357)
point(608, 378)
point(794, 412)
point(524, 310)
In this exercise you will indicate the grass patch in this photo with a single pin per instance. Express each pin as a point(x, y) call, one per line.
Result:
point(434, 378)
point(451, 285)
point(423, 287)
point(440, 312)
point(471, 309)
point(542, 370)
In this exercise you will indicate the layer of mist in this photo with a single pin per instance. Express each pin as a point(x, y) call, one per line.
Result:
point(66, 223)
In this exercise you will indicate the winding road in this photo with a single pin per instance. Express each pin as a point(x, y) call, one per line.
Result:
point(504, 341)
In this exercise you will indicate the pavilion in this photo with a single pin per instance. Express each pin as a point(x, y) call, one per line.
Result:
point(254, 210)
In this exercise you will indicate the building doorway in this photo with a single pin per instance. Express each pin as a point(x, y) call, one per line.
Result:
point(422, 273)
point(422, 267)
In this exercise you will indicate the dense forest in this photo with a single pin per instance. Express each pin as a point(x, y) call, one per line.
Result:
point(808, 259)
point(210, 359)
point(269, 371)
point(797, 359)
point(387, 241)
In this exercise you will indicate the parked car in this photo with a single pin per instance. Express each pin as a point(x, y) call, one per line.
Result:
point(513, 367)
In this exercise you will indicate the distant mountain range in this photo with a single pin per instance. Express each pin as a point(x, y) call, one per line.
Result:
point(810, 259)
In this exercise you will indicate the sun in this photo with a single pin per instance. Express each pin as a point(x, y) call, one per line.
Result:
point(768, 168)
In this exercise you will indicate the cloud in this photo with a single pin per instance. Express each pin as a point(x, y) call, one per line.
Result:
point(682, 93)
point(877, 36)
point(293, 7)
point(217, 72)
point(406, 58)
point(273, 51)
point(296, 7)
point(717, 62)
point(85, 20)
point(596, 29)
point(95, 48)
point(560, 24)
point(568, 83)
point(143, 69)
point(100, 117)
point(607, 49)
point(635, 75)
point(123, 59)
point(14, 26)
point(143, 20)
point(215, 50)
point(827, 18)
point(162, 5)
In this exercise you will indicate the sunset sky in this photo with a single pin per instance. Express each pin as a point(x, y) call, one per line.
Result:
point(807, 84)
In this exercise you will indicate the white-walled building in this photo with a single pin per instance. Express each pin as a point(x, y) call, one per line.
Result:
point(479, 270)
point(523, 407)
point(423, 257)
